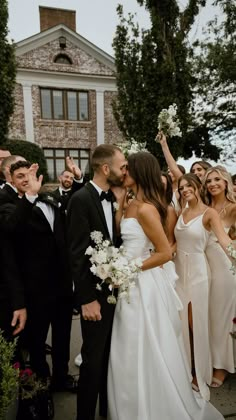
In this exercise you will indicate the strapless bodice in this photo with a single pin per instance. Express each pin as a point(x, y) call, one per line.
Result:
point(135, 242)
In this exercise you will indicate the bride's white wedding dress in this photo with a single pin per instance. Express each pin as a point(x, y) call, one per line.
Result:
point(148, 377)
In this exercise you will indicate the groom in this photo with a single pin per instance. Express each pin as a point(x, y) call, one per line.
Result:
point(91, 209)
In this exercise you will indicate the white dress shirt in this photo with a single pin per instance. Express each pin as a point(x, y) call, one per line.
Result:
point(107, 208)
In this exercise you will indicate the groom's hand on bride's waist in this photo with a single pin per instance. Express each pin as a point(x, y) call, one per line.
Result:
point(91, 311)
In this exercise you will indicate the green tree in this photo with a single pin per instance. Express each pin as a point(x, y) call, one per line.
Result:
point(154, 70)
point(215, 63)
point(7, 73)
point(31, 152)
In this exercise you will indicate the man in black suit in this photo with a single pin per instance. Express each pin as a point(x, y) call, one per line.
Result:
point(44, 268)
point(12, 300)
point(87, 212)
point(71, 180)
point(12, 294)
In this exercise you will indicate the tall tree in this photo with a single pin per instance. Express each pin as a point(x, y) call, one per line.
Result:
point(7, 73)
point(216, 69)
point(154, 70)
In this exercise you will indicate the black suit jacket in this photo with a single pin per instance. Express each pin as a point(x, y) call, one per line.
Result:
point(11, 287)
point(14, 211)
point(64, 200)
point(43, 260)
point(85, 214)
point(13, 214)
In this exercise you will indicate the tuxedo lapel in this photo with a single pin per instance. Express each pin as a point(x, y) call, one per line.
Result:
point(11, 193)
point(96, 199)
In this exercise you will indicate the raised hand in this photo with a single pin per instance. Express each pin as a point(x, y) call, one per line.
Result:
point(73, 168)
point(34, 182)
point(119, 192)
point(161, 138)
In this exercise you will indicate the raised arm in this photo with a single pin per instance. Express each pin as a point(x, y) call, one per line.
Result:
point(172, 165)
point(212, 221)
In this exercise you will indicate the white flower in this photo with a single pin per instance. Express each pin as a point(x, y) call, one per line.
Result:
point(96, 236)
point(116, 206)
point(134, 147)
point(112, 266)
point(232, 253)
point(168, 122)
point(111, 299)
point(89, 251)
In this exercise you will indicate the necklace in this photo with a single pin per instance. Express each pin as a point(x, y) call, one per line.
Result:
point(224, 205)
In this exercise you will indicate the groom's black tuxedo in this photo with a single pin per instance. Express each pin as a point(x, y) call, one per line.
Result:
point(85, 215)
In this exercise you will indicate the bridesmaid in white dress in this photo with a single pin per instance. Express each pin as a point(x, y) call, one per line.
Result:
point(192, 233)
point(148, 377)
point(222, 298)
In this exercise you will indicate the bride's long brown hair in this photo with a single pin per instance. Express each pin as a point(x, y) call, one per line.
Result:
point(145, 170)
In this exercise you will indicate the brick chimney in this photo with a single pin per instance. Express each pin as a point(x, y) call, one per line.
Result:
point(51, 16)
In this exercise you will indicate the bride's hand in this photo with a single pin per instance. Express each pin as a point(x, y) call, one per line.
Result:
point(120, 193)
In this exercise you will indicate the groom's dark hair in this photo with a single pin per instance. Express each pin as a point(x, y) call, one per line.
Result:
point(103, 154)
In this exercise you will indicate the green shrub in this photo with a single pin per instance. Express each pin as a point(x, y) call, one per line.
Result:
point(31, 152)
point(9, 376)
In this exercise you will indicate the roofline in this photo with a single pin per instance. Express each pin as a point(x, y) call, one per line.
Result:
point(24, 45)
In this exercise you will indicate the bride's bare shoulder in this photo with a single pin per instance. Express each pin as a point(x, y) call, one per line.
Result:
point(147, 210)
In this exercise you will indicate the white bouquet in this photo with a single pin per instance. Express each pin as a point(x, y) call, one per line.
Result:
point(232, 253)
point(168, 122)
point(112, 266)
point(134, 147)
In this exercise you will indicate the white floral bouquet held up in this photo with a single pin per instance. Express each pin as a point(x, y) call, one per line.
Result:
point(168, 122)
point(112, 266)
point(232, 253)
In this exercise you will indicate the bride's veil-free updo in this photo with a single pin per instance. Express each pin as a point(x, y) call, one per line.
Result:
point(145, 170)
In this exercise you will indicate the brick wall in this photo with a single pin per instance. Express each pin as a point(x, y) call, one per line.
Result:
point(17, 121)
point(50, 16)
point(43, 57)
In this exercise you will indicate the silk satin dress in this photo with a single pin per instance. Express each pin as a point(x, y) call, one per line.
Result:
point(148, 375)
point(222, 306)
point(193, 287)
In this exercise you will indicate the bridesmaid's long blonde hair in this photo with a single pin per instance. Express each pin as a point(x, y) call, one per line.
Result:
point(223, 174)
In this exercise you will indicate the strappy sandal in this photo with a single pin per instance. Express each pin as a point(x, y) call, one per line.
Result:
point(216, 383)
point(195, 387)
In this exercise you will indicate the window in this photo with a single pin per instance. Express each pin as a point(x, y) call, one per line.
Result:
point(56, 160)
point(64, 105)
point(62, 59)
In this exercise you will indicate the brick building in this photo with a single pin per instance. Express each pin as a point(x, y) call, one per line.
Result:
point(64, 91)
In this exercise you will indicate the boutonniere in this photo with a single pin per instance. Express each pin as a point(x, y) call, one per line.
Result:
point(116, 206)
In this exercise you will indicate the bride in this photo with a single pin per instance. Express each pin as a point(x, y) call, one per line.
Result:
point(148, 376)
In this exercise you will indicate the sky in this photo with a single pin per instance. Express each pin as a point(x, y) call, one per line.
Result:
point(96, 21)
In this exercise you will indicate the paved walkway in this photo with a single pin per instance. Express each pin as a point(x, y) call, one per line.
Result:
point(223, 398)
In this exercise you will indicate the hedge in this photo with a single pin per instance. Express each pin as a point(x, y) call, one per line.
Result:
point(31, 152)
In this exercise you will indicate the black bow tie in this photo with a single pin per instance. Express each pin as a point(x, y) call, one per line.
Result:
point(106, 195)
point(64, 192)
